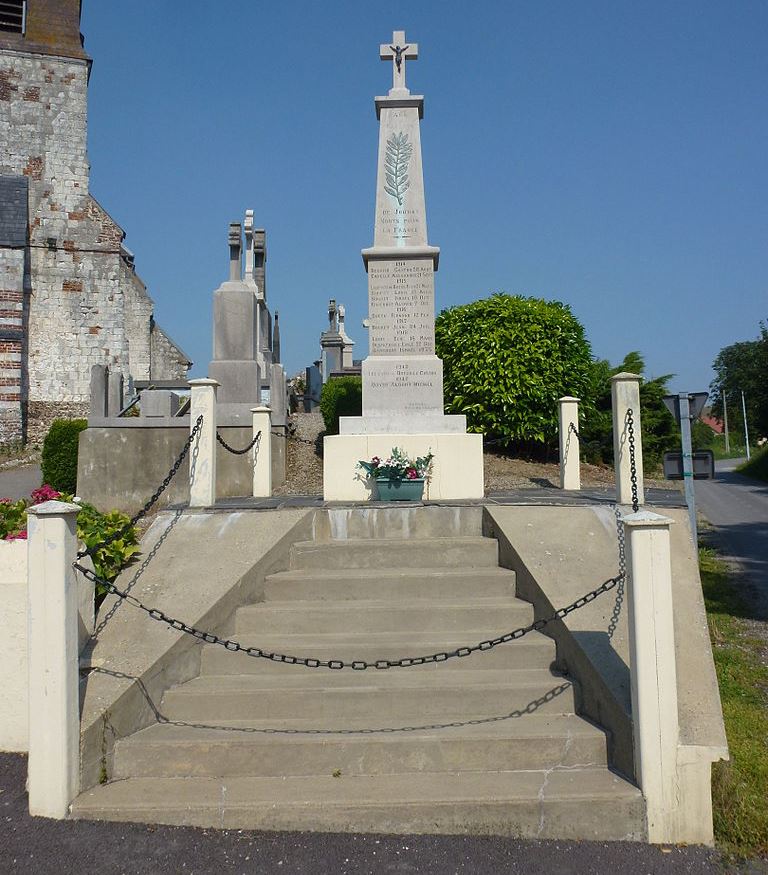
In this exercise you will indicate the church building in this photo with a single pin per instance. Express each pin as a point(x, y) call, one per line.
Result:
point(69, 294)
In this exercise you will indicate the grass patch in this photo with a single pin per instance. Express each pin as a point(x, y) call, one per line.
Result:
point(757, 466)
point(740, 801)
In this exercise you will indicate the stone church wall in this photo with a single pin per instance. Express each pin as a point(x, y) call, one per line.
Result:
point(86, 305)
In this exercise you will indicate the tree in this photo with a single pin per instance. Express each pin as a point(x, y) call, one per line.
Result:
point(507, 359)
point(743, 367)
point(659, 431)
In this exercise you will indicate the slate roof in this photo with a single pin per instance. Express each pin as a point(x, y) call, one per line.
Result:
point(13, 210)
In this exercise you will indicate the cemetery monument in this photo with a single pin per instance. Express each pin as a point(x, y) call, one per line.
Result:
point(402, 376)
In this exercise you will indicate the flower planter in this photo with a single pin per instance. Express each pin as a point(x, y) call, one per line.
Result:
point(400, 490)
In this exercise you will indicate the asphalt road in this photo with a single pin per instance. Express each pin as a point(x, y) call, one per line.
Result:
point(18, 482)
point(737, 507)
point(37, 846)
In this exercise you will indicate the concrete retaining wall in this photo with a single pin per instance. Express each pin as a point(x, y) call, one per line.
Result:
point(121, 467)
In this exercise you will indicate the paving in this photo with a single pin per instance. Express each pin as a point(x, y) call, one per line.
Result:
point(737, 507)
point(19, 482)
point(49, 847)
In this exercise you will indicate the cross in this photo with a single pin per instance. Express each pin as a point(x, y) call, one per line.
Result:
point(399, 51)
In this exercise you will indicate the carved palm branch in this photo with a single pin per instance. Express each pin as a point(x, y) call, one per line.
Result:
point(396, 159)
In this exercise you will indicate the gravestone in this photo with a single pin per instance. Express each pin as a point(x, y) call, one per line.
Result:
point(402, 377)
point(234, 362)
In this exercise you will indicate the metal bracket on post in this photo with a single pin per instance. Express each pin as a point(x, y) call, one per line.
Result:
point(53, 771)
point(262, 452)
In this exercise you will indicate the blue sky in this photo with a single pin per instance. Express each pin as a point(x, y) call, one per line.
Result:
point(610, 155)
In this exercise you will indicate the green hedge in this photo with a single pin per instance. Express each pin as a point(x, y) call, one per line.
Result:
point(59, 457)
point(757, 466)
point(341, 396)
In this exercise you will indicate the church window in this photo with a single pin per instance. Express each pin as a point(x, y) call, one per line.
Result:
point(12, 15)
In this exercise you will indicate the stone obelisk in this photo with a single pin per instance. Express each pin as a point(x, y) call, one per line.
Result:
point(402, 376)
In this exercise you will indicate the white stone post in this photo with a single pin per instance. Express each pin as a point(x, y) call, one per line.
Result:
point(570, 464)
point(262, 452)
point(202, 458)
point(53, 776)
point(625, 395)
point(652, 668)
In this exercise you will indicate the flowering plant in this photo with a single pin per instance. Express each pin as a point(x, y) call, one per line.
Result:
point(398, 466)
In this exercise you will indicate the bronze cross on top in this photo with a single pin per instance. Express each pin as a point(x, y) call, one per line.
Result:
point(398, 52)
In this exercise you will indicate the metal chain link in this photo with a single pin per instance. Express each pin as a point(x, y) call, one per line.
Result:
point(251, 445)
point(355, 664)
point(613, 623)
point(571, 430)
point(90, 551)
point(632, 462)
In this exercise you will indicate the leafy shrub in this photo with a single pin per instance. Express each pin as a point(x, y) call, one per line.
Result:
point(757, 466)
point(507, 359)
point(341, 396)
point(13, 519)
point(93, 528)
point(59, 457)
point(659, 431)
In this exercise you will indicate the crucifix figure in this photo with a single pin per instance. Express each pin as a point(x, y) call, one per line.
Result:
point(398, 52)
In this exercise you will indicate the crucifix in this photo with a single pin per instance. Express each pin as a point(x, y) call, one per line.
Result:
point(398, 52)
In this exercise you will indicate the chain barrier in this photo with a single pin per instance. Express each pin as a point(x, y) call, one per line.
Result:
point(571, 430)
point(90, 551)
point(291, 436)
point(632, 463)
point(251, 445)
point(355, 664)
point(613, 623)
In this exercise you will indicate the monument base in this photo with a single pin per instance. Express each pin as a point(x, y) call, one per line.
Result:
point(457, 469)
point(397, 422)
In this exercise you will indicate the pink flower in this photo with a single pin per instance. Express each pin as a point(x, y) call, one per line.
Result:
point(376, 461)
point(412, 474)
point(44, 493)
point(5, 501)
point(19, 536)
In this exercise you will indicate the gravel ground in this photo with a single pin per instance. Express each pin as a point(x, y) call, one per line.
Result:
point(37, 846)
point(304, 466)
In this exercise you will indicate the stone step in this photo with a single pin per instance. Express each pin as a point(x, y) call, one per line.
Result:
point(533, 651)
point(570, 803)
point(378, 553)
point(493, 616)
point(390, 583)
point(410, 698)
point(399, 522)
point(530, 742)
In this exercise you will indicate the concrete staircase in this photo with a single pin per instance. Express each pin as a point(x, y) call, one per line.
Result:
point(489, 743)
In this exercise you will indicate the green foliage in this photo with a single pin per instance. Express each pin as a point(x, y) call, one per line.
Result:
point(341, 396)
point(757, 466)
point(742, 367)
point(739, 801)
point(59, 457)
point(398, 466)
point(702, 436)
point(507, 359)
point(94, 527)
point(13, 518)
point(658, 426)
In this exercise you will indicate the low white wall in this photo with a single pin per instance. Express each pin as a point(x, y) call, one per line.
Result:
point(14, 680)
point(13, 646)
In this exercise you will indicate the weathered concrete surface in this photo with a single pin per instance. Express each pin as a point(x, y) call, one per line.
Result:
point(561, 553)
point(198, 567)
point(50, 847)
point(121, 467)
point(14, 696)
